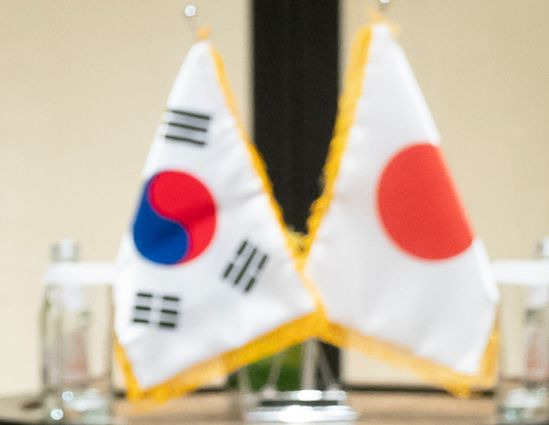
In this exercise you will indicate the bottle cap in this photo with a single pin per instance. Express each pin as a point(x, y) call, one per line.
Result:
point(543, 247)
point(65, 250)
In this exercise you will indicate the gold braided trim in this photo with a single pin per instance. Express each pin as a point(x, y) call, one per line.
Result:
point(271, 343)
point(459, 384)
point(292, 239)
point(353, 79)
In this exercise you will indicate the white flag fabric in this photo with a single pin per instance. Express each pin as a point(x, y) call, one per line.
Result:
point(207, 281)
point(401, 274)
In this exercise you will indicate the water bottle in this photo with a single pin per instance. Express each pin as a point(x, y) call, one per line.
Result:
point(523, 395)
point(76, 339)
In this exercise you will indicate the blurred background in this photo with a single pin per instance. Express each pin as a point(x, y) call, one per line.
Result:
point(83, 84)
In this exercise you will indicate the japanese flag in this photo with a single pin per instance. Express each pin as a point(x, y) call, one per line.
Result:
point(207, 280)
point(400, 271)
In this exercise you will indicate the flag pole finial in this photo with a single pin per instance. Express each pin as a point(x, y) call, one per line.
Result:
point(198, 31)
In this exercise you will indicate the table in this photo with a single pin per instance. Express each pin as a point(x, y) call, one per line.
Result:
point(220, 408)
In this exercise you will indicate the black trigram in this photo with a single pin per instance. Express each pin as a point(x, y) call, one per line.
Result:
point(186, 126)
point(246, 266)
point(156, 310)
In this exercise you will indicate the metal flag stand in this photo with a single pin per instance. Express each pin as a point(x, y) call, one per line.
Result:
point(306, 405)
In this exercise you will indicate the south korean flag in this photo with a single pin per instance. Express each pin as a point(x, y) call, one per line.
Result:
point(208, 283)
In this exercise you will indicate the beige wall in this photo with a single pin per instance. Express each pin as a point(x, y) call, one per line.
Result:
point(83, 84)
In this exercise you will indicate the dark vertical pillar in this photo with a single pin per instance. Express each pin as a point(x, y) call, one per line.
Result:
point(295, 71)
point(295, 47)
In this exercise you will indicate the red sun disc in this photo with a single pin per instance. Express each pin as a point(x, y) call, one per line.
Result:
point(419, 207)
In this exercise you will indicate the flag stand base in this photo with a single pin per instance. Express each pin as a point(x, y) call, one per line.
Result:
point(307, 405)
point(303, 406)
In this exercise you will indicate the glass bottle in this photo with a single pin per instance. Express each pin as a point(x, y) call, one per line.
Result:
point(524, 397)
point(76, 349)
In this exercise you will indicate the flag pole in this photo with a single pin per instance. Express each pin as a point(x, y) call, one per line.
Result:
point(191, 13)
point(309, 362)
point(198, 31)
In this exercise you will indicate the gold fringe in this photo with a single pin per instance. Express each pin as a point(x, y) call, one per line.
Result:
point(345, 118)
point(202, 33)
point(458, 384)
point(218, 367)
